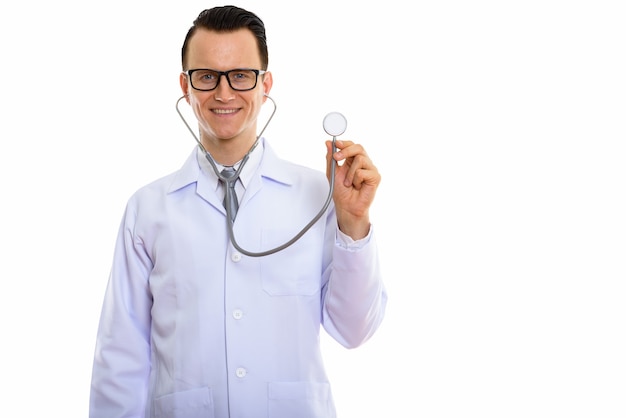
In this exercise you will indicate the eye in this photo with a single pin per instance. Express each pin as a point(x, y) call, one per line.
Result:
point(240, 75)
point(207, 75)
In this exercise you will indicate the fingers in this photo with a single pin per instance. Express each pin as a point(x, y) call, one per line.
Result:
point(358, 167)
point(348, 149)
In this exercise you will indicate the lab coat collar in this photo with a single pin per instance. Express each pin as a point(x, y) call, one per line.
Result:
point(271, 167)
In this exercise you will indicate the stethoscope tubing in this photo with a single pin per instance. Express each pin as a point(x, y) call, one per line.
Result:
point(227, 181)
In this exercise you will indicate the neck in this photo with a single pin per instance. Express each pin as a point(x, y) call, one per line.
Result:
point(227, 152)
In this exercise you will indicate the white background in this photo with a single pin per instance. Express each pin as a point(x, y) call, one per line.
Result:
point(498, 127)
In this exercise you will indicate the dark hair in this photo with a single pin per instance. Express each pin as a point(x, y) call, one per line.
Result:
point(228, 19)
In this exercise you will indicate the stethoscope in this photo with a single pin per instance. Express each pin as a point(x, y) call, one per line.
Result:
point(334, 124)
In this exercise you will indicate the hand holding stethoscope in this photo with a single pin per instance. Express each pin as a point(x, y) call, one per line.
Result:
point(354, 181)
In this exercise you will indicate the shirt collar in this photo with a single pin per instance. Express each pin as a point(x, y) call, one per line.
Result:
point(246, 173)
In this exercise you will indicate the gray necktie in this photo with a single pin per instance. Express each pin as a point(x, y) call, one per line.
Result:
point(231, 204)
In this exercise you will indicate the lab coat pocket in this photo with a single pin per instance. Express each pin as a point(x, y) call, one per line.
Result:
point(194, 403)
point(300, 399)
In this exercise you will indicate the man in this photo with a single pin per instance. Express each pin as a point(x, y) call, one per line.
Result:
point(193, 327)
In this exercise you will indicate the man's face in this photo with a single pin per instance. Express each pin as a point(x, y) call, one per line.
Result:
point(225, 115)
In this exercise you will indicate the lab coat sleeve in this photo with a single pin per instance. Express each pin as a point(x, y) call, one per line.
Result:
point(121, 365)
point(355, 296)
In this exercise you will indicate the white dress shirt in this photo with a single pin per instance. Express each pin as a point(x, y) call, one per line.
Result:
point(192, 328)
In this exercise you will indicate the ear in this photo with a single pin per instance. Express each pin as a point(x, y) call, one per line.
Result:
point(268, 81)
point(184, 85)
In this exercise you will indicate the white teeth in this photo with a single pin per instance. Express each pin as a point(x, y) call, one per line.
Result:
point(224, 111)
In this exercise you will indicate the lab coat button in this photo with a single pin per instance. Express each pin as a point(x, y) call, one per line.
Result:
point(241, 372)
point(236, 257)
point(237, 314)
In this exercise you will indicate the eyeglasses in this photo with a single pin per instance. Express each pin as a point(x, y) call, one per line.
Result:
point(240, 79)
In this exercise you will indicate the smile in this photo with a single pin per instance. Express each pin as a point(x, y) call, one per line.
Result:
point(224, 111)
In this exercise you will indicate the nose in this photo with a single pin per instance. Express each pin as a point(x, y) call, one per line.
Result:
point(223, 91)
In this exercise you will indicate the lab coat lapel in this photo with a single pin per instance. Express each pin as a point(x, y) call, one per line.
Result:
point(271, 168)
point(206, 186)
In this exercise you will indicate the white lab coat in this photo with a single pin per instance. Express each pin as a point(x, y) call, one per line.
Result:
point(191, 328)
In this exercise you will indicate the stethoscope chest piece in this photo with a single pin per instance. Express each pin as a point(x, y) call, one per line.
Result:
point(335, 124)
